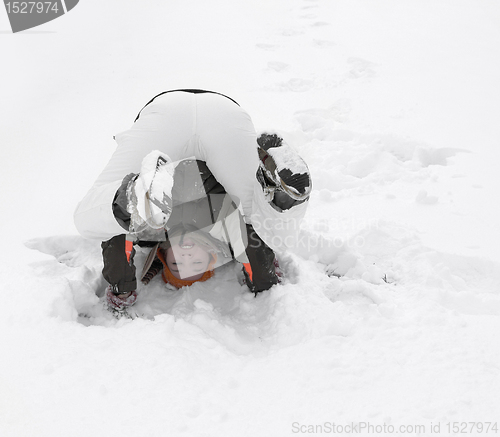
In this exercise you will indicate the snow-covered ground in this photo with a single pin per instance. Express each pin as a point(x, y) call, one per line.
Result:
point(395, 107)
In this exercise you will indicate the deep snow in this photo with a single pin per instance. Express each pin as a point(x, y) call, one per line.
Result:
point(395, 107)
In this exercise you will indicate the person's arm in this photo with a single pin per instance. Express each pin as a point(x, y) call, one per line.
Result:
point(262, 263)
point(120, 202)
point(247, 247)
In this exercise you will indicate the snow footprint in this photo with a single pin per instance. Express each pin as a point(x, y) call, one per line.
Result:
point(322, 43)
point(263, 46)
point(297, 85)
point(292, 32)
point(319, 122)
point(320, 24)
point(277, 66)
point(361, 68)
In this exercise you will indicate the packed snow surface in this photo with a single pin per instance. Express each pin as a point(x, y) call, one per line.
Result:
point(389, 315)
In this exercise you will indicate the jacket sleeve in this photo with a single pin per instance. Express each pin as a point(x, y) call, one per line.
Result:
point(120, 202)
point(247, 248)
point(262, 274)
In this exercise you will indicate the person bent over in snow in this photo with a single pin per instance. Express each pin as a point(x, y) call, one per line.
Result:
point(192, 180)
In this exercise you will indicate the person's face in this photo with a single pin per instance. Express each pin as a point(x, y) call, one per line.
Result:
point(187, 260)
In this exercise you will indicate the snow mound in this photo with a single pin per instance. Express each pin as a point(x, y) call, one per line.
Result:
point(315, 299)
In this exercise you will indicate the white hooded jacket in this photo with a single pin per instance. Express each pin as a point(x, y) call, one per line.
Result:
point(191, 124)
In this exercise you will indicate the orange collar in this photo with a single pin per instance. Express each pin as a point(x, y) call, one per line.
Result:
point(169, 277)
